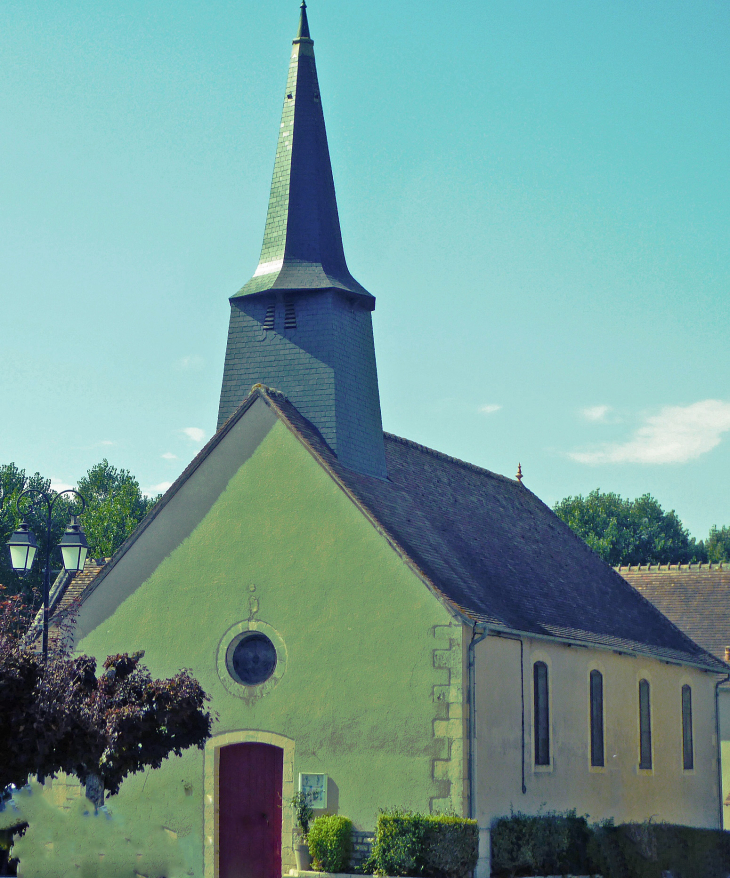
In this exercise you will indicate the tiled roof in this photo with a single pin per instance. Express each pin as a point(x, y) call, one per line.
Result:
point(66, 593)
point(485, 544)
point(74, 584)
point(696, 597)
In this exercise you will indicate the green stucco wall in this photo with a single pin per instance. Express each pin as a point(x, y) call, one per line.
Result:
point(372, 690)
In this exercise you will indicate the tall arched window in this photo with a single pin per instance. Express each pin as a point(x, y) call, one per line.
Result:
point(644, 725)
point(597, 757)
point(688, 756)
point(542, 714)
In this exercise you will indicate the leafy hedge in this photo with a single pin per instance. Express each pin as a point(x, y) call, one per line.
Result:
point(451, 846)
point(546, 844)
point(552, 843)
point(649, 850)
point(330, 843)
point(429, 845)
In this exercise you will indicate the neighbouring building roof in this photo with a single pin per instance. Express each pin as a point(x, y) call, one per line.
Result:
point(66, 593)
point(485, 544)
point(68, 587)
point(696, 597)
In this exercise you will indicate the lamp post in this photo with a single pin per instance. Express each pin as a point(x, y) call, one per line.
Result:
point(23, 544)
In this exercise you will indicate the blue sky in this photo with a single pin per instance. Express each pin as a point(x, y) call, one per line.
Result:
point(537, 193)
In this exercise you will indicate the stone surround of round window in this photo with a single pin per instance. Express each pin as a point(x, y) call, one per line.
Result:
point(251, 659)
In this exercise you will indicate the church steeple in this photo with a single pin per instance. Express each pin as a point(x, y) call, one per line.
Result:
point(302, 247)
point(303, 324)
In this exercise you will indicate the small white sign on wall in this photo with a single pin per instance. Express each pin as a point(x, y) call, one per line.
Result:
point(314, 786)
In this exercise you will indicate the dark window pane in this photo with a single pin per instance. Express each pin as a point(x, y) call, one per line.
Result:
point(644, 725)
point(597, 757)
point(688, 759)
point(253, 659)
point(542, 717)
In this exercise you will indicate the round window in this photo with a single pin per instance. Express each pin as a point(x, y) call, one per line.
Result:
point(251, 658)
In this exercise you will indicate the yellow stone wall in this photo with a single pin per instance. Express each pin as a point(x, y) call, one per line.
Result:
point(620, 790)
point(724, 705)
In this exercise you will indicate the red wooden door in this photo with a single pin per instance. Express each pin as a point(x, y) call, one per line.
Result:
point(249, 815)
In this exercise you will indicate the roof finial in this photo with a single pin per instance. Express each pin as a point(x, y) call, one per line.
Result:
point(303, 32)
point(519, 473)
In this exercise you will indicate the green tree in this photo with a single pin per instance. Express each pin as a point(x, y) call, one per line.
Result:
point(718, 544)
point(624, 531)
point(115, 507)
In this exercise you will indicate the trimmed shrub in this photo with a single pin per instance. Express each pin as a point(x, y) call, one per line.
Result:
point(330, 843)
point(430, 845)
point(650, 850)
point(451, 846)
point(544, 844)
point(552, 843)
point(398, 844)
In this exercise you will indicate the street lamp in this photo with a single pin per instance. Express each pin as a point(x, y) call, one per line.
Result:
point(73, 545)
point(23, 545)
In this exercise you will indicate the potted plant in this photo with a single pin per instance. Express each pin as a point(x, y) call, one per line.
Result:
point(303, 813)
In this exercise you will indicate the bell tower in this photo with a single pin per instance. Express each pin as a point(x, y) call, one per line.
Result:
point(303, 325)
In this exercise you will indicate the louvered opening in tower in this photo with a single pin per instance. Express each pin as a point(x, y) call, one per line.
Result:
point(269, 318)
point(290, 315)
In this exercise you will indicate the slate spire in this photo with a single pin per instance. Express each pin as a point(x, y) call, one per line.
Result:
point(302, 325)
point(302, 247)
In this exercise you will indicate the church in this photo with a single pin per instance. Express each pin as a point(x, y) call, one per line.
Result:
point(375, 621)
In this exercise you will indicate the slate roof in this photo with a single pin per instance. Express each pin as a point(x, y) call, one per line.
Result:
point(696, 597)
point(485, 544)
point(498, 554)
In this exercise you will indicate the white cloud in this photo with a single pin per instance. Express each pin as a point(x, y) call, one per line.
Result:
point(168, 455)
point(189, 364)
point(595, 412)
point(489, 409)
point(154, 490)
point(58, 486)
point(194, 433)
point(674, 435)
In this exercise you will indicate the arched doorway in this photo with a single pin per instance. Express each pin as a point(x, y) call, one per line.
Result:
point(250, 779)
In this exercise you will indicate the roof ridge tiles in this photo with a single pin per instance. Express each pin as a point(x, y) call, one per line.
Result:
point(691, 567)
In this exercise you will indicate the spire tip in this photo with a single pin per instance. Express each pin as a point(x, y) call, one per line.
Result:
point(303, 31)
